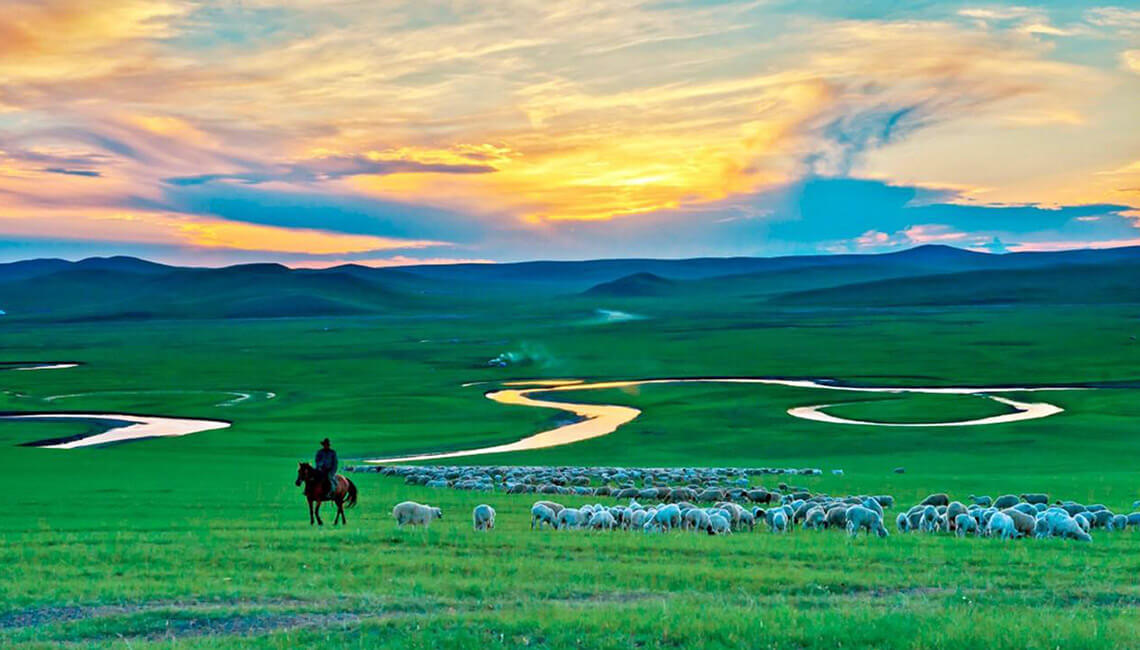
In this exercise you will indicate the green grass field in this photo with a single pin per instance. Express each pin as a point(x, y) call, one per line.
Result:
point(204, 540)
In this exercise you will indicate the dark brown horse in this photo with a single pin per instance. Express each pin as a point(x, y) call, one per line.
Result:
point(316, 491)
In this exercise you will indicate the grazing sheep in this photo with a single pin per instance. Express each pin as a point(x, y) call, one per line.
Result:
point(668, 517)
point(938, 499)
point(1001, 525)
point(1006, 501)
point(639, 519)
point(816, 519)
point(1134, 519)
point(569, 518)
point(760, 496)
point(929, 521)
point(747, 519)
point(983, 501)
point(483, 516)
point(779, 522)
point(1023, 523)
point(695, 519)
point(1073, 508)
point(861, 518)
point(541, 514)
point(836, 517)
point(1026, 508)
point(1035, 497)
point(902, 523)
point(718, 525)
point(952, 511)
point(1070, 529)
point(1083, 520)
point(964, 524)
point(871, 504)
point(900, 470)
point(415, 514)
point(1119, 522)
point(602, 520)
point(554, 507)
point(885, 500)
point(1101, 518)
point(914, 518)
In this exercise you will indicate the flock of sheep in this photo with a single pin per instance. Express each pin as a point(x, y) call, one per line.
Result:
point(1010, 516)
point(724, 490)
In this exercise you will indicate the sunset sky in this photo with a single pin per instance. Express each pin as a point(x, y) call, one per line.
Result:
point(385, 132)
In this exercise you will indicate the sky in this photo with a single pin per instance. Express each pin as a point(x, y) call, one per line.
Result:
point(385, 132)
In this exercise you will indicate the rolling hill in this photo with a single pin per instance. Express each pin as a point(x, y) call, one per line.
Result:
point(638, 284)
point(129, 288)
point(1109, 283)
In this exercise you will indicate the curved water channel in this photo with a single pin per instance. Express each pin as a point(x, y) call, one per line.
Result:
point(118, 427)
point(603, 419)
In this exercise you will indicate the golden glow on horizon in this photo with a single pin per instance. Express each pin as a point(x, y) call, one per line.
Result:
point(526, 116)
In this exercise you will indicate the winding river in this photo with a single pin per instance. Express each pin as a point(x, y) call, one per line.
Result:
point(602, 419)
point(120, 427)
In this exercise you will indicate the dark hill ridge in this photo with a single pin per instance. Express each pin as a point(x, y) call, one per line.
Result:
point(637, 284)
point(1107, 283)
point(129, 288)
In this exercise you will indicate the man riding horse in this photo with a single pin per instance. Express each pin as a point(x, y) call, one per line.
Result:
point(326, 463)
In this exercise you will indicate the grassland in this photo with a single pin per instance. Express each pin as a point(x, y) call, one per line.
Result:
point(203, 540)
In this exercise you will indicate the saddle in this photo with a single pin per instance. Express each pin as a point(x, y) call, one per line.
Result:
point(334, 486)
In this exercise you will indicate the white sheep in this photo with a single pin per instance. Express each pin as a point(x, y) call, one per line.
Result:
point(779, 522)
point(964, 523)
point(863, 518)
point(696, 519)
point(815, 519)
point(1070, 529)
point(415, 514)
point(902, 523)
point(602, 520)
point(1001, 525)
point(929, 519)
point(542, 514)
point(483, 517)
point(872, 504)
point(569, 518)
point(718, 525)
point(668, 517)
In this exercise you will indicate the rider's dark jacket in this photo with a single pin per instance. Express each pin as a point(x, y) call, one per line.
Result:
point(325, 461)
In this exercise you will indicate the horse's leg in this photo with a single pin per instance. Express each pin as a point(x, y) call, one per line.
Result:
point(340, 511)
point(310, 512)
point(318, 513)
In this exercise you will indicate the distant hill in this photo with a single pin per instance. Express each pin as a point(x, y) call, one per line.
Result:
point(247, 291)
point(130, 288)
point(579, 276)
point(1109, 283)
point(636, 285)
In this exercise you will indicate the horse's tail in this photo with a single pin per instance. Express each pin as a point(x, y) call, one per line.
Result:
point(350, 498)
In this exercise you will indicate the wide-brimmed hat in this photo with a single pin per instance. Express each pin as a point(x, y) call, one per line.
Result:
point(326, 442)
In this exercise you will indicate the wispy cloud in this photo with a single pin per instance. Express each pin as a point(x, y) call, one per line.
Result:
point(514, 125)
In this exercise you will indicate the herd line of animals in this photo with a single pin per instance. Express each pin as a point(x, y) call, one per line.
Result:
point(724, 490)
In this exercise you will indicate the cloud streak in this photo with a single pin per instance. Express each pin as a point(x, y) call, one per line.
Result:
point(510, 128)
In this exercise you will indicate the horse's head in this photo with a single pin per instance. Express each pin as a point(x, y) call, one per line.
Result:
point(304, 470)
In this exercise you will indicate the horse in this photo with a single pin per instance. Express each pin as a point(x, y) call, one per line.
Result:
point(314, 491)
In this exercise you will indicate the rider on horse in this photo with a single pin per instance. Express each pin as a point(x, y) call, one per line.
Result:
point(326, 463)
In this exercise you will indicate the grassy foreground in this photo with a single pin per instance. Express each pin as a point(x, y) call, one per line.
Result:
point(203, 540)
